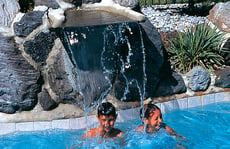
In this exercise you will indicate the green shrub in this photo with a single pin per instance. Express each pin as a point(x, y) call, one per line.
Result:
point(200, 45)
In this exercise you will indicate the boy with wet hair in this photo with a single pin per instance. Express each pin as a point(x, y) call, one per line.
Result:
point(152, 119)
point(106, 116)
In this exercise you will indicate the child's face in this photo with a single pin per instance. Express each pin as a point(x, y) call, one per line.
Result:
point(107, 122)
point(154, 120)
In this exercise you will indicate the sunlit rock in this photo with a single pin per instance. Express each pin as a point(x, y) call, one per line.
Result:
point(220, 16)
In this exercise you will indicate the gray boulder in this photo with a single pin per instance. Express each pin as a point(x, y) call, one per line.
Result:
point(199, 79)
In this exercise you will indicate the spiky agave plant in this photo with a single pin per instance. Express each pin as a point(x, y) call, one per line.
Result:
point(200, 45)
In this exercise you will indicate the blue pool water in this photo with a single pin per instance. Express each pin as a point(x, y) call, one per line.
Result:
point(204, 127)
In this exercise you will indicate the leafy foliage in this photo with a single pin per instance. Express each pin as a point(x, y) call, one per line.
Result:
point(200, 45)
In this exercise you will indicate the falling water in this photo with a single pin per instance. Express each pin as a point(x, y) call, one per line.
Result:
point(119, 38)
point(117, 56)
point(145, 77)
point(86, 110)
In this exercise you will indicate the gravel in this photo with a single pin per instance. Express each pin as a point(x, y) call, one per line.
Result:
point(167, 18)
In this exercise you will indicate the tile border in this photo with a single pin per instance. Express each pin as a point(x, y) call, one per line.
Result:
point(80, 123)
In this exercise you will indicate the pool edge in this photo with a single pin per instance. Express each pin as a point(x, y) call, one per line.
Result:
point(124, 115)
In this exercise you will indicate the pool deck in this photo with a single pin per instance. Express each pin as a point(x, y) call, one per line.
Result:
point(124, 115)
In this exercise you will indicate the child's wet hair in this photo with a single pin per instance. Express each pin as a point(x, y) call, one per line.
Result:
point(106, 108)
point(148, 109)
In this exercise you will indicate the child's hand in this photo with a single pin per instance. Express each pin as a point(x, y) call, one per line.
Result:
point(75, 146)
point(180, 137)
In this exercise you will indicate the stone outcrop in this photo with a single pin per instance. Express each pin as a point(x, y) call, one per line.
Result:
point(19, 81)
point(223, 78)
point(60, 79)
point(169, 81)
point(219, 15)
point(49, 3)
point(29, 22)
point(46, 101)
point(8, 10)
point(39, 47)
point(170, 84)
point(226, 55)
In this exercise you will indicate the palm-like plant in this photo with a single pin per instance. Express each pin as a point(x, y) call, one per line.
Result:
point(200, 45)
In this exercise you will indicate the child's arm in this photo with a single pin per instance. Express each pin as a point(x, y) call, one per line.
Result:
point(173, 133)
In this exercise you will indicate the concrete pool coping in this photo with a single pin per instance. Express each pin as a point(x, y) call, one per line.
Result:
point(124, 115)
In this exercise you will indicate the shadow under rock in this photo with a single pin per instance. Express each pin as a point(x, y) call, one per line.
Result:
point(197, 10)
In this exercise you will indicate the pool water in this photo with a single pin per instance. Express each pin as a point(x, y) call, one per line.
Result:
point(204, 127)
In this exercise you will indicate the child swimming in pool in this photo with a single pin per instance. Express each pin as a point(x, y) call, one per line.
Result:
point(153, 120)
point(106, 116)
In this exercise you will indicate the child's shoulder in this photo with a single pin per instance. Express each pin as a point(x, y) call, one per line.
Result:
point(91, 133)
